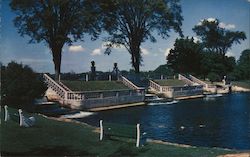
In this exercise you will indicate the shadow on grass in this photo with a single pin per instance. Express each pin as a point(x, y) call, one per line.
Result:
point(52, 151)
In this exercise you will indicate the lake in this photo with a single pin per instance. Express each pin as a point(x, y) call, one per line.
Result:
point(215, 122)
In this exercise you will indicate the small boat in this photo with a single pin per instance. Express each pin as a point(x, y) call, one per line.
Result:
point(163, 103)
point(152, 98)
point(212, 96)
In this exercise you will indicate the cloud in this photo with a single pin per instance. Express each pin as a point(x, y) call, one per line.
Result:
point(96, 52)
point(248, 1)
point(196, 39)
point(167, 51)
point(210, 19)
point(226, 26)
point(144, 51)
point(230, 54)
point(76, 48)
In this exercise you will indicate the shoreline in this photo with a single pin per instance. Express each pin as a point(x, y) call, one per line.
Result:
point(153, 141)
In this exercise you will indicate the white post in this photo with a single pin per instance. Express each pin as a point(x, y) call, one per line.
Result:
point(6, 113)
point(20, 117)
point(138, 135)
point(101, 130)
point(87, 77)
point(161, 77)
point(110, 78)
point(59, 78)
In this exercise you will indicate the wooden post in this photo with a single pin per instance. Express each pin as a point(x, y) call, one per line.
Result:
point(87, 77)
point(138, 135)
point(20, 117)
point(59, 78)
point(6, 113)
point(101, 130)
point(110, 77)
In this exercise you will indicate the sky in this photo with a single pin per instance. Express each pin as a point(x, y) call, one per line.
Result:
point(233, 15)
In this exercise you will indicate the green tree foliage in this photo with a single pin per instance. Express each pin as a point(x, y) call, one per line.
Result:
point(186, 56)
point(129, 23)
point(20, 85)
point(216, 38)
point(217, 64)
point(54, 22)
point(243, 67)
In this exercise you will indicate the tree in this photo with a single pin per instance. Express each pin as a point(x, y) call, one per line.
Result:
point(20, 85)
point(186, 56)
point(216, 64)
point(243, 66)
point(216, 38)
point(54, 22)
point(129, 23)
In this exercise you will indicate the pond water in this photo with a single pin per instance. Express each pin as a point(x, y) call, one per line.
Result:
point(214, 122)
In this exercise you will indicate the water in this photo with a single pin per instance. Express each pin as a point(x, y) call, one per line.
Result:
point(217, 122)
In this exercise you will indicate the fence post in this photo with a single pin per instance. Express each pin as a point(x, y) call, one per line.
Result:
point(101, 130)
point(87, 77)
point(110, 77)
point(161, 77)
point(20, 117)
point(6, 113)
point(138, 135)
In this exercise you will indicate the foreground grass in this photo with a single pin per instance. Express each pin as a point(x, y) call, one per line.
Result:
point(244, 84)
point(94, 85)
point(55, 138)
point(170, 82)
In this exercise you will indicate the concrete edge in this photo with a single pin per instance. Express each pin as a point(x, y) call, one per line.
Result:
point(116, 106)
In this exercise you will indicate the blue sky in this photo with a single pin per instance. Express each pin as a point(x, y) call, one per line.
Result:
point(233, 15)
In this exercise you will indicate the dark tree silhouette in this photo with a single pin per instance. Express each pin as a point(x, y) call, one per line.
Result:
point(54, 22)
point(216, 38)
point(131, 22)
point(186, 56)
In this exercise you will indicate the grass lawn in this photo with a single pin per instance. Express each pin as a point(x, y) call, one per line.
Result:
point(55, 138)
point(94, 85)
point(170, 82)
point(244, 84)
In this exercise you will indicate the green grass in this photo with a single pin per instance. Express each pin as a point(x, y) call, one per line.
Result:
point(54, 138)
point(170, 82)
point(94, 85)
point(244, 84)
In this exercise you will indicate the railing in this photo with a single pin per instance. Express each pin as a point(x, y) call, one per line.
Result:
point(186, 80)
point(194, 79)
point(102, 94)
point(155, 86)
point(158, 87)
point(66, 94)
point(128, 83)
point(55, 86)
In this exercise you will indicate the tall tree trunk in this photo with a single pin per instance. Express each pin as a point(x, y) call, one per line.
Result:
point(57, 56)
point(136, 56)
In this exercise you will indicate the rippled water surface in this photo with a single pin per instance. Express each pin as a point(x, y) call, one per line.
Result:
point(215, 122)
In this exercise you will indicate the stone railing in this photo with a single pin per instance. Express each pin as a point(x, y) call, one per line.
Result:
point(155, 86)
point(66, 94)
point(128, 83)
point(194, 79)
point(55, 86)
point(102, 94)
point(186, 80)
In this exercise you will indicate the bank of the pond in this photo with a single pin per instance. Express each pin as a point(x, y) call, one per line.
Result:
point(50, 137)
